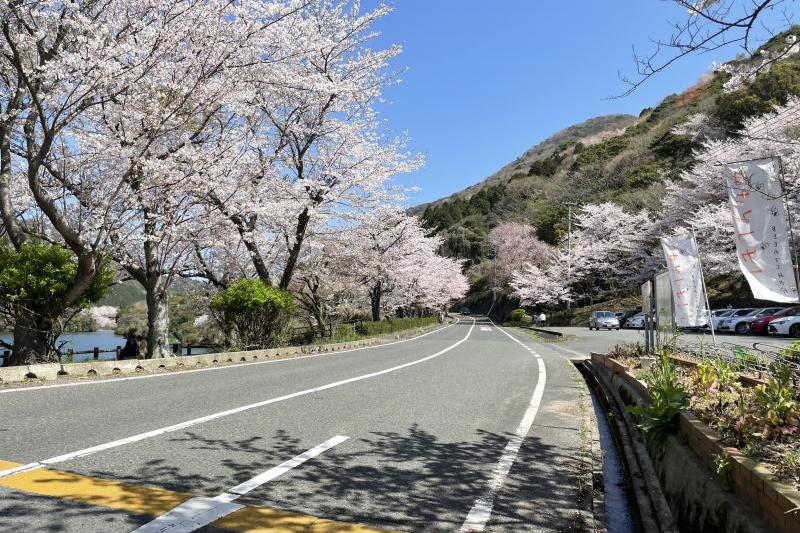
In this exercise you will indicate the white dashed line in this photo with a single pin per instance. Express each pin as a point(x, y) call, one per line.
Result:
point(197, 513)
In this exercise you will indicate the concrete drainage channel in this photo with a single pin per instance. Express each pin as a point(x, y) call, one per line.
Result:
point(632, 499)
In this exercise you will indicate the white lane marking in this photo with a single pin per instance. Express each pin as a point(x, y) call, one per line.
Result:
point(486, 328)
point(243, 488)
point(190, 516)
point(197, 513)
point(481, 511)
point(228, 367)
point(221, 414)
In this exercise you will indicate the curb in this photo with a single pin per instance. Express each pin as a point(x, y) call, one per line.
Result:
point(37, 373)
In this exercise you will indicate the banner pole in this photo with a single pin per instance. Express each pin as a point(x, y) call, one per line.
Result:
point(705, 289)
point(785, 195)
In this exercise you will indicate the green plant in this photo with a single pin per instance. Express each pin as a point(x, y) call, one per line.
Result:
point(717, 374)
point(776, 400)
point(668, 398)
point(790, 466)
point(792, 352)
point(518, 317)
point(744, 358)
point(36, 285)
point(749, 449)
point(252, 313)
point(722, 464)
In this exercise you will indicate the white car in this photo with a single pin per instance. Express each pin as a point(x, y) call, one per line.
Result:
point(785, 325)
point(635, 321)
point(740, 320)
point(718, 315)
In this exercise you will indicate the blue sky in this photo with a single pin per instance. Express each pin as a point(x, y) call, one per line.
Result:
point(488, 80)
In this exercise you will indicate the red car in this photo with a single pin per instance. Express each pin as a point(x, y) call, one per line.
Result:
point(759, 325)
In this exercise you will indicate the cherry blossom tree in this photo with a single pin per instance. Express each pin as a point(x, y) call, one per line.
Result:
point(326, 283)
point(175, 131)
point(317, 154)
point(515, 245)
point(699, 199)
point(541, 286)
point(607, 241)
point(60, 62)
point(399, 266)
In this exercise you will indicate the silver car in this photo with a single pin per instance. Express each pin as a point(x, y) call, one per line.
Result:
point(603, 320)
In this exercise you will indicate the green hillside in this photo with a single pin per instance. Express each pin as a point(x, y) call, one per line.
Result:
point(619, 158)
point(123, 294)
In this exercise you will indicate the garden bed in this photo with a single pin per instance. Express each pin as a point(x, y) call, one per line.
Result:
point(758, 415)
point(745, 428)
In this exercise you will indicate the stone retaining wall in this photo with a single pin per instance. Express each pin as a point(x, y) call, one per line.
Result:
point(56, 371)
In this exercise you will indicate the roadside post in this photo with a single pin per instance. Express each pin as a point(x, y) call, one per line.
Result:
point(705, 289)
point(647, 309)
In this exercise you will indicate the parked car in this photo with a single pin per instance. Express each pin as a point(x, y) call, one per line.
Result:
point(718, 315)
point(623, 317)
point(635, 321)
point(739, 321)
point(759, 325)
point(602, 320)
point(785, 325)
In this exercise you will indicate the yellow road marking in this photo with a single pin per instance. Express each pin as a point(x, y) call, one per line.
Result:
point(155, 502)
point(94, 491)
point(5, 465)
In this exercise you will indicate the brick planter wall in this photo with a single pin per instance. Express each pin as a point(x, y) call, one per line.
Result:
point(775, 502)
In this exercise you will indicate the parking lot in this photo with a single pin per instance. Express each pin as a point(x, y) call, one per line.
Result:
point(586, 339)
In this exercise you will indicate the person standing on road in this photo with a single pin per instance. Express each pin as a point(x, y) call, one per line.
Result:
point(542, 319)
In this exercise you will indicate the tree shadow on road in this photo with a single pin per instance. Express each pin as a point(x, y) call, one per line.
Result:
point(409, 480)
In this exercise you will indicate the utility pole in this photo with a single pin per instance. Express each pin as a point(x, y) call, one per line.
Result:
point(569, 246)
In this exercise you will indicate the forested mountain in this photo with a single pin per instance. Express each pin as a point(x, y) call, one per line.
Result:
point(617, 158)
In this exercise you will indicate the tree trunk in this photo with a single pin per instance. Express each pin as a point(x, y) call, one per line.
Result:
point(31, 345)
point(375, 301)
point(294, 250)
point(157, 323)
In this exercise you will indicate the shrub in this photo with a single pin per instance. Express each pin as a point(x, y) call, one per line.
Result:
point(34, 285)
point(253, 314)
point(643, 175)
point(601, 152)
point(518, 316)
point(39, 275)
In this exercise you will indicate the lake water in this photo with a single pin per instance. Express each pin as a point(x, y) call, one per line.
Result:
point(105, 340)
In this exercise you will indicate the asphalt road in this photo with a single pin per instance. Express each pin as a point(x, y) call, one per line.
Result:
point(470, 427)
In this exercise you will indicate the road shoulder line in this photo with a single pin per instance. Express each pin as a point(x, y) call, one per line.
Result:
point(214, 416)
point(481, 511)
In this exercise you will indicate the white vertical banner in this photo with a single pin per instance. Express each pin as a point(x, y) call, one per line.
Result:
point(686, 279)
point(761, 225)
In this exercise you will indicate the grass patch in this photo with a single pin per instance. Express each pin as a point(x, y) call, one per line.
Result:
point(366, 330)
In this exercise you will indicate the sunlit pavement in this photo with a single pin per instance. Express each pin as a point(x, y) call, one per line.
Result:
point(467, 428)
